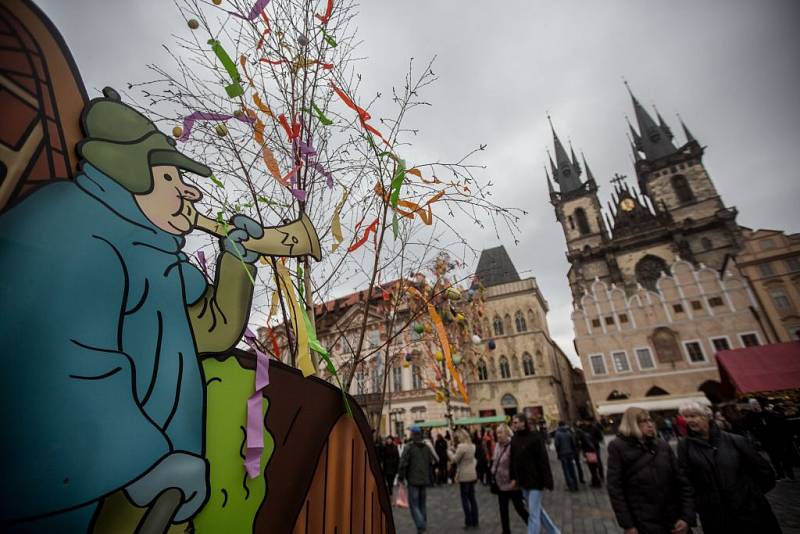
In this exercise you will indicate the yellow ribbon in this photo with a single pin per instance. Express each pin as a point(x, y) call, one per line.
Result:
point(304, 362)
point(336, 223)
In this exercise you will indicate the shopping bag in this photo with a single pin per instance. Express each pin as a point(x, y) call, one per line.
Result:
point(591, 457)
point(401, 499)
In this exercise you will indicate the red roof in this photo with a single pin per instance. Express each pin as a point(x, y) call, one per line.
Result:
point(759, 369)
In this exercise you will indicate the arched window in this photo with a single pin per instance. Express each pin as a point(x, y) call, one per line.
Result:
point(583, 222)
point(519, 318)
point(416, 377)
point(656, 391)
point(483, 372)
point(497, 322)
point(507, 323)
point(514, 365)
point(486, 330)
point(527, 365)
point(505, 371)
point(682, 190)
point(649, 269)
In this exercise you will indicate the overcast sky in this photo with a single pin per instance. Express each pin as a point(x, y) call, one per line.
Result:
point(730, 68)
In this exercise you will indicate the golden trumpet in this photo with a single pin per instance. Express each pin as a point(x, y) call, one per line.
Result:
point(291, 240)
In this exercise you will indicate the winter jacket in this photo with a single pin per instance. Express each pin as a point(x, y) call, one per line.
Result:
point(646, 487)
point(440, 445)
point(730, 479)
point(415, 464)
point(565, 442)
point(501, 464)
point(464, 459)
point(391, 459)
point(530, 466)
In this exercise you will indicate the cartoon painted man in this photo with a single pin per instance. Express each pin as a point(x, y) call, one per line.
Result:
point(102, 319)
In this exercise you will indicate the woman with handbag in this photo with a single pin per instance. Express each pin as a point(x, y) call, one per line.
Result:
point(591, 453)
point(648, 492)
point(501, 481)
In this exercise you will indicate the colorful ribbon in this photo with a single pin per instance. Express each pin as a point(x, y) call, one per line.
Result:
point(233, 89)
point(327, 16)
point(373, 227)
point(261, 105)
point(257, 8)
point(422, 210)
point(188, 121)
point(201, 259)
point(363, 115)
point(329, 39)
point(325, 121)
point(442, 333)
point(293, 131)
point(243, 62)
point(336, 223)
point(255, 409)
point(304, 362)
point(324, 172)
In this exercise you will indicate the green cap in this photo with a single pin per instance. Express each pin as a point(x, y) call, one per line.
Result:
point(124, 144)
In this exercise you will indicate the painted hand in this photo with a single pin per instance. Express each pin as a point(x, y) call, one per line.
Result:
point(180, 470)
point(242, 229)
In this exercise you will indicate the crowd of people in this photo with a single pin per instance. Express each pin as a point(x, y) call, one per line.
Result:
point(655, 485)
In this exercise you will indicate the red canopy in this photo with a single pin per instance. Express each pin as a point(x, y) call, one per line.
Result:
point(759, 369)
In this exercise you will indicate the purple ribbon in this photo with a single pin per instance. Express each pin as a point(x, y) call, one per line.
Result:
point(201, 259)
point(305, 149)
point(254, 11)
point(318, 166)
point(189, 120)
point(255, 419)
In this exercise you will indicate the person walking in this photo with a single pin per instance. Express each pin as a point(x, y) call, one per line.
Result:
point(598, 437)
point(566, 450)
point(463, 456)
point(415, 464)
point(591, 453)
point(648, 491)
point(529, 470)
point(440, 445)
point(506, 491)
point(729, 477)
point(391, 462)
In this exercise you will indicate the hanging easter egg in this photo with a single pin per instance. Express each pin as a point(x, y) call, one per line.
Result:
point(238, 113)
point(302, 40)
point(177, 132)
point(439, 396)
point(428, 328)
point(492, 344)
point(216, 2)
point(193, 24)
point(457, 358)
point(409, 357)
point(438, 355)
point(453, 293)
point(221, 130)
point(419, 328)
point(406, 364)
point(460, 317)
point(476, 339)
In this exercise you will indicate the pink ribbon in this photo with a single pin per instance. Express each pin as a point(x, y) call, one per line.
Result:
point(254, 11)
point(255, 419)
point(201, 258)
point(189, 120)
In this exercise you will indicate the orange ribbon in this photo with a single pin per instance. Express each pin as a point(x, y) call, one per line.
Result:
point(261, 105)
point(242, 62)
point(363, 114)
point(373, 227)
point(425, 215)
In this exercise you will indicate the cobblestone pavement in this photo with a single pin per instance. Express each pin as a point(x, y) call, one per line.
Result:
point(586, 512)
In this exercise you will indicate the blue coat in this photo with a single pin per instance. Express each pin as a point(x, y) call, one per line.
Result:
point(99, 376)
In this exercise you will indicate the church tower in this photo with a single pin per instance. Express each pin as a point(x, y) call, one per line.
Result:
point(679, 188)
point(576, 204)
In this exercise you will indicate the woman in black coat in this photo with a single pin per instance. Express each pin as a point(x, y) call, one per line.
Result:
point(729, 477)
point(391, 462)
point(648, 492)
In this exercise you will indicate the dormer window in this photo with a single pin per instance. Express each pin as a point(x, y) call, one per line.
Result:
point(654, 136)
point(566, 172)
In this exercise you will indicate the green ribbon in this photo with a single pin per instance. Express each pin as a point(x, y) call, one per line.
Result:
point(233, 89)
point(217, 182)
point(321, 116)
point(328, 39)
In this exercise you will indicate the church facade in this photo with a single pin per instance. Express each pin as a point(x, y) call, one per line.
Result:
point(653, 295)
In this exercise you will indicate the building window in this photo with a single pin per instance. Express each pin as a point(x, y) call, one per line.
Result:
point(519, 319)
point(645, 358)
point(609, 320)
point(416, 377)
point(583, 223)
point(505, 371)
point(715, 302)
point(695, 351)
point(497, 323)
point(750, 339)
point(780, 299)
point(620, 360)
point(397, 378)
point(720, 344)
point(794, 332)
point(598, 364)
point(527, 365)
point(767, 244)
point(507, 323)
point(483, 372)
point(596, 323)
point(706, 243)
point(375, 378)
point(571, 222)
point(678, 308)
point(793, 264)
point(682, 190)
point(766, 269)
point(697, 305)
point(533, 319)
point(623, 318)
point(361, 382)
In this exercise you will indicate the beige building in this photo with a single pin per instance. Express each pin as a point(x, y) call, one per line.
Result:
point(771, 262)
point(526, 372)
point(655, 294)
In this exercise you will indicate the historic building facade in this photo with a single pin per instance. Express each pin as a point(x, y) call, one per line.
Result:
point(771, 262)
point(654, 296)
